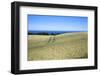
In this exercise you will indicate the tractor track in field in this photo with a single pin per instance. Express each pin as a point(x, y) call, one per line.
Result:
point(52, 39)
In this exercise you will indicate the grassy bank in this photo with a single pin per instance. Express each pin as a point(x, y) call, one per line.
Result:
point(63, 46)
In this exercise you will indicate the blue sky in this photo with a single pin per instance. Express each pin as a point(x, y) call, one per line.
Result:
point(57, 23)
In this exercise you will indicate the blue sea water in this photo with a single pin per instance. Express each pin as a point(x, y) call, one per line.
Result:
point(53, 32)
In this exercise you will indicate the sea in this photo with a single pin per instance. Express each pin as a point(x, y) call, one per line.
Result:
point(53, 32)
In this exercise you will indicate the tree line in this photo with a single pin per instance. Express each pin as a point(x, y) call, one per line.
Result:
point(42, 33)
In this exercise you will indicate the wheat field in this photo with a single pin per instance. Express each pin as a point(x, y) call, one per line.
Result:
point(62, 46)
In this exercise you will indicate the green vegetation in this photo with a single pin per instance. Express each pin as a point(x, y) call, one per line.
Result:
point(63, 46)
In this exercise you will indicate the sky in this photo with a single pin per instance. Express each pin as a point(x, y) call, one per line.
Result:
point(57, 23)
